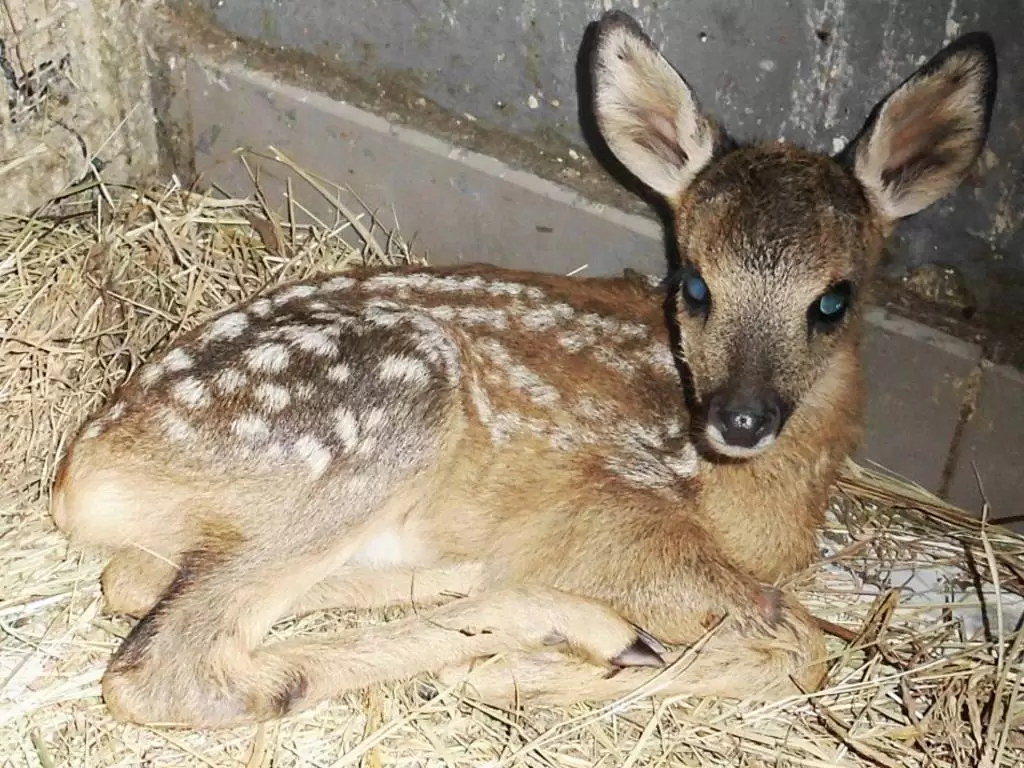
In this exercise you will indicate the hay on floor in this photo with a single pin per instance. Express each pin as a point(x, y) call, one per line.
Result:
point(929, 600)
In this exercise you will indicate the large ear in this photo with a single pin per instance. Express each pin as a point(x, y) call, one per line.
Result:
point(921, 140)
point(646, 112)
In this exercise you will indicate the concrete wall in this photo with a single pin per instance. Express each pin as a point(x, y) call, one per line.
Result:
point(803, 70)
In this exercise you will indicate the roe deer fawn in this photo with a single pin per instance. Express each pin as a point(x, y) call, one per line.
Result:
point(571, 472)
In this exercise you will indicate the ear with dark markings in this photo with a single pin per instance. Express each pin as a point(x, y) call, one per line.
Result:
point(920, 142)
point(646, 112)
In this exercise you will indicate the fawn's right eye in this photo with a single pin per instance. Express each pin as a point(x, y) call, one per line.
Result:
point(829, 309)
point(696, 293)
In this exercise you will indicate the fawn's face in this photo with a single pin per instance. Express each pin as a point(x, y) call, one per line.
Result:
point(776, 246)
point(777, 243)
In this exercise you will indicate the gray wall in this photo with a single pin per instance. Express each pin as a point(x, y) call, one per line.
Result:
point(803, 70)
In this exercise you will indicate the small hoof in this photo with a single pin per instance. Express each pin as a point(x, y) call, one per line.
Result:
point(639, 654)
point(652, 642)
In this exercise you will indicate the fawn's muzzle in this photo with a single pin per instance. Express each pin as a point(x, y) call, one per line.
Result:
point(741, 425)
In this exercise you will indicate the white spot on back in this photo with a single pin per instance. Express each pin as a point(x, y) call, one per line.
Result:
point(539, 319)
point(267, 358)
point(547, 317)
point(387, 304)
point(495, 318)
point(639, 471)
point(346, 427)
point(339, 373)
point(400, 283)
point(116, 411)
point(150, 374)
point(473, 283)
point(572, 342)
point(373, 419)
point(383, 314)
point(599, 324)
point(176, 427)
point(192, 392)
point(441, 312)
point(261, 307)
point(178, 360)
point(227, 327)
point(314, 453)
point(339, 283)
point(335, 323)
point(519, 375)
point(251, 427)
point(230, 380)
point(273, 396)
point(501, 288)
point(310, 339)
point(437, 346)
point(294, 292)
point(405, 369)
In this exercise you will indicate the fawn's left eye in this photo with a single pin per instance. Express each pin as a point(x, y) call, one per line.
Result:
point(697, 293)
point(830, 308)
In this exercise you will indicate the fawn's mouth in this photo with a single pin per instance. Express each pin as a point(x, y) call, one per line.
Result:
point(718, 444)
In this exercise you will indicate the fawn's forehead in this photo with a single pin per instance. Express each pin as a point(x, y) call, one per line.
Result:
point(779, 211)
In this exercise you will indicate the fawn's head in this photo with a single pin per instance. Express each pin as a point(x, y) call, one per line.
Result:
point(777, 243)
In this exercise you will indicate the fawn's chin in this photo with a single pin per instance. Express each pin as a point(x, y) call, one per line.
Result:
point(717, 445)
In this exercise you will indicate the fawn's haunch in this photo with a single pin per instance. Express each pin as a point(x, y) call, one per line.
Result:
point(598, 470)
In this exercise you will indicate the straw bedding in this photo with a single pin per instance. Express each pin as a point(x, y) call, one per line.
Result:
point(927, 671)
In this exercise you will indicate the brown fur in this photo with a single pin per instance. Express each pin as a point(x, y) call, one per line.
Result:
point(525, 457)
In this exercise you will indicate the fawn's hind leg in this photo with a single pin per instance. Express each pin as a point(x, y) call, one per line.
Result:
point(190, 660)
point(194, 660)
point(101, 502)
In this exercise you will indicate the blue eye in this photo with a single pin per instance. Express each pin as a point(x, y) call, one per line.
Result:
point(696, 291)
point(831, 304)
point(829, 308)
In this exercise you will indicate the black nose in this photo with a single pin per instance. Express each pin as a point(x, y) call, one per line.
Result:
point(744, 423)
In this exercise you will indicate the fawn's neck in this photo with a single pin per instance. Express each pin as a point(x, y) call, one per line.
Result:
point(782, 494)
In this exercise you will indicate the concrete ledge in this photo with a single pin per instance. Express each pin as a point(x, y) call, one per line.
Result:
point(456, 205)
